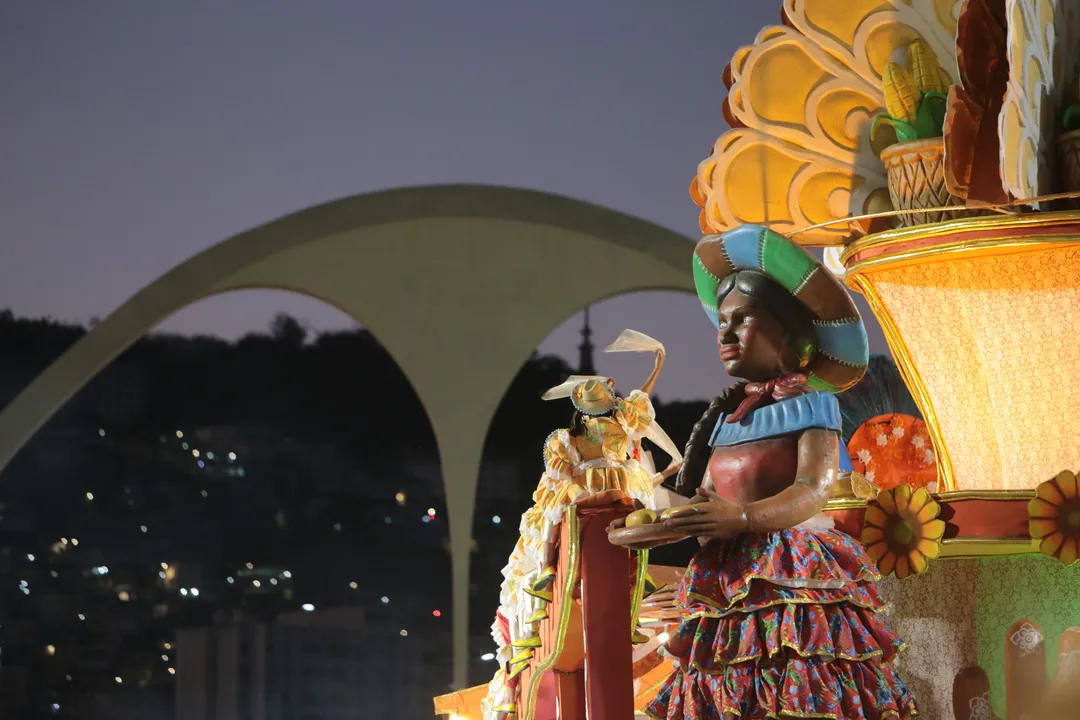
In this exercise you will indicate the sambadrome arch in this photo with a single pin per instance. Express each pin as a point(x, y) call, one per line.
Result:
point(459, 283)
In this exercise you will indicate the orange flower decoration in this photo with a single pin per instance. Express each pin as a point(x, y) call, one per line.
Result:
point(1054, 517)
point(901, 531)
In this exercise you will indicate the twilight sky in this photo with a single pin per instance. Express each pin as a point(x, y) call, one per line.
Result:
point(134, 135)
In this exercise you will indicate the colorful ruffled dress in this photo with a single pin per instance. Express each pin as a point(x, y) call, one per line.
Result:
point(783, 624)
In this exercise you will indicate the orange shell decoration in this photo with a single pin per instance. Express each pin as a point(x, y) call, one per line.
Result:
point(1054, 517)
point(901, 531)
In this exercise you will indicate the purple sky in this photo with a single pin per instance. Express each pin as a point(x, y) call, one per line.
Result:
point(134, 135)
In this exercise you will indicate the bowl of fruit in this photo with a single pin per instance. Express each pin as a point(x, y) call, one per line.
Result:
point(644, 528)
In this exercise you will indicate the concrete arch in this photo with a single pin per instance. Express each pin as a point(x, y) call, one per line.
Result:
point(460, 283)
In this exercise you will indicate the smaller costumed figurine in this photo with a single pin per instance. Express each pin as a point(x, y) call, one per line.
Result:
point(598, 460)
point(780, 611)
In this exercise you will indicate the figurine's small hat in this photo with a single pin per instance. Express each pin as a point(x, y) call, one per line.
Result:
point(590, 394)
point(841, 348)
point(593, 397)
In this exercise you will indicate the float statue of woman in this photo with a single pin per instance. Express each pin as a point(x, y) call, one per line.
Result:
point(780, 613)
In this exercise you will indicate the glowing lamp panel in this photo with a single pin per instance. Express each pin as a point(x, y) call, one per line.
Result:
point(996, 342)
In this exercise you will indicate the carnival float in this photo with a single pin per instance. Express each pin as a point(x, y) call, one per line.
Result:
point(931, 149)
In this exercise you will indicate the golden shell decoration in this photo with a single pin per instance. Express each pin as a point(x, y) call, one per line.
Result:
point(800, 102)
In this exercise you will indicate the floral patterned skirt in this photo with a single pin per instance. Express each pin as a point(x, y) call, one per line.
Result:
point(783, 625)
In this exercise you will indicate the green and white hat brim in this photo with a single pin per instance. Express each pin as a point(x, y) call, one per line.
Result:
point(842, 351)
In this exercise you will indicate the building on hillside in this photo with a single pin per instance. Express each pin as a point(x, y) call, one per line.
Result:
point(329, 664)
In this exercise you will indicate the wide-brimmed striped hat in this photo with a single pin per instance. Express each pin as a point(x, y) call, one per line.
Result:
point(841, 349)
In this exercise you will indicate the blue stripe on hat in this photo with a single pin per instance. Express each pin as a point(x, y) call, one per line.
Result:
point(844, 341)
point(743, 246)
point(714, 316)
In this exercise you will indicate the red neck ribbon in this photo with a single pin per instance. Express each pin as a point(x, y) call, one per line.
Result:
point(778, 389)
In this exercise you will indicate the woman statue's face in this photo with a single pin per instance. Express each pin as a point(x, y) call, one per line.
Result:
point(752, 342)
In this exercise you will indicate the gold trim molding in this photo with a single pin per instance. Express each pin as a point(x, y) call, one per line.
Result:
point(980, 247)
point(854, 503)
point(956, 227)
point(987, 547)
point(845, 503)
point(1005, 495)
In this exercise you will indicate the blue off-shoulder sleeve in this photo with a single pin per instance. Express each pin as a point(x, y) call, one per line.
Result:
point(816, 410)
point(845, 460)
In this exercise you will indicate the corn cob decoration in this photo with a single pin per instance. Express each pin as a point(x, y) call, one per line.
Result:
point(928, 75)
point(915, 96)
point(902, 95)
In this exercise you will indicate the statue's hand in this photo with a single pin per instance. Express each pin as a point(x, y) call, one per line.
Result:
point(709, 515)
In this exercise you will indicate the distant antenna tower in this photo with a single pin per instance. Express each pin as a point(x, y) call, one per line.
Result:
point(585, 357)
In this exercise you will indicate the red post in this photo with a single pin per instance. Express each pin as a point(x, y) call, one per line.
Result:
point(570, 690)
point(605, 600)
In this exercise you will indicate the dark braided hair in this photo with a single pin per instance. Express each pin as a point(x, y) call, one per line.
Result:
point(696, 455)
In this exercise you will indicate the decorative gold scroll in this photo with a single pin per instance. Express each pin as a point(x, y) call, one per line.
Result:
point(801, 100)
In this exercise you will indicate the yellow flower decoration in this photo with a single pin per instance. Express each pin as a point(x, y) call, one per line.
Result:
point(901, 531)
point(1054, 517)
